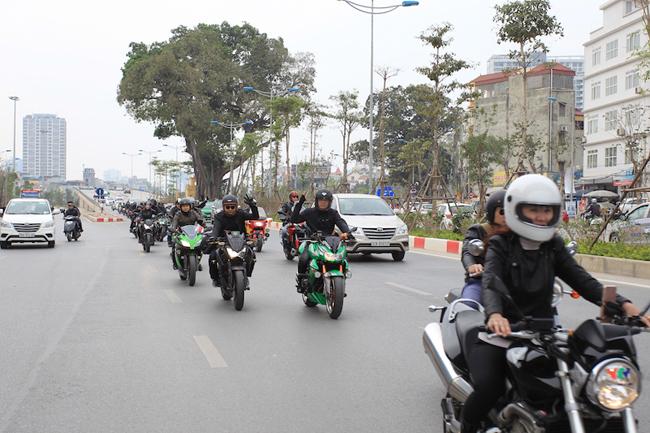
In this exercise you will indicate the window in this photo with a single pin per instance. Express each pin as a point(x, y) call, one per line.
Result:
point(610, 157)
point(611, 85)
point(630, 6)
point(611, 50)
point(631, 80)
point(595, 56)
point(592, 158)
point(633, 41)
point(592, 126)
point(595, 90)
point(562, 109)
point(610, 120)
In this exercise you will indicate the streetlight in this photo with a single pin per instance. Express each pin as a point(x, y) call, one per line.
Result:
point(149, 153)
point(131, 155)
point(232, 126)
point(15, 99)
point(178, 170)
point(373, 10)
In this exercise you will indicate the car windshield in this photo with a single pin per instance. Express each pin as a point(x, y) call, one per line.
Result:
point(363, 206)
point(27, 208)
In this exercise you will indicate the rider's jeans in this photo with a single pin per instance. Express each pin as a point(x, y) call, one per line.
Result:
point(472, 290)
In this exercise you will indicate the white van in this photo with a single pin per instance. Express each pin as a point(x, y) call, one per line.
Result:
point(377, 228)
point(27, 220)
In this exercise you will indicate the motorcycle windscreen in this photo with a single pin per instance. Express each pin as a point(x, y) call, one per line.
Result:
point(236, 240)
point(148, 222)
point(190, 231)
point(333, 242)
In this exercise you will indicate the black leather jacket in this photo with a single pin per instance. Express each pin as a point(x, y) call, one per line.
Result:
point(235, 223)
point(519, 283)
point(72, 211)
point(477, 231)
point(318, 220)
point(186, 219)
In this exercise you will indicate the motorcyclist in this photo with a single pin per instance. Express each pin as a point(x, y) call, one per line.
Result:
point(518, 280)
point(146, 213)
point(73, 210)
point(592, 210)
point(172, 213)
point(285, 212)
point(230, 218)
point(184, 217)
point(474, 264)
point(320, 218)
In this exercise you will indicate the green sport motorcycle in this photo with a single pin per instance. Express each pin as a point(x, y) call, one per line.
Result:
point(187, 252)
point(327, 271)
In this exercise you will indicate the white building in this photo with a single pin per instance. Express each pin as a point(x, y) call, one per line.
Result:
point(44, 146)
point(615, 107)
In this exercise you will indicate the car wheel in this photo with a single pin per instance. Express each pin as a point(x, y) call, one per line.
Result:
point(4, 245)
point(51, 244)
point(398, 256)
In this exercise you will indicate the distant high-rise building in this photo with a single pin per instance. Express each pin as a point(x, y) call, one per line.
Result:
point(112, 175)
point(502, 62)
point(44, 146)
point(89, 176)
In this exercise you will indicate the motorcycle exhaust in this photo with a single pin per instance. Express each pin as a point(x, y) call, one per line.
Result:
point(457, 387)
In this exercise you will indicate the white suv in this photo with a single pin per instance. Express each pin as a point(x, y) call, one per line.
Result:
point(27, 220)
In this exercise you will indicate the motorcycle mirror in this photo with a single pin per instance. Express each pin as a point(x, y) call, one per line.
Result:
point(572, 248)
point(476, 247)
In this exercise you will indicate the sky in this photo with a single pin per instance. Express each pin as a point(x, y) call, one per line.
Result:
point(65, 57)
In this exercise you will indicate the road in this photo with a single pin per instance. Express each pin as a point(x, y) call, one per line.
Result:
point(98, 336)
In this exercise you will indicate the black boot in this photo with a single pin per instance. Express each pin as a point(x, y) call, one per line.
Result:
point(466, 427)
point(301, 283)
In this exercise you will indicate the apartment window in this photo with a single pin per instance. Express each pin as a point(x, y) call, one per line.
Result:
point(610, 120)
point(592, 126)
point(611, 85)
point(633, 41)
point(595, 56)
point(595, 90)
point(631, 80)
point(610, 157)
point(630, 6)
point(562, 109)
point(611, 50)
point(592, 158)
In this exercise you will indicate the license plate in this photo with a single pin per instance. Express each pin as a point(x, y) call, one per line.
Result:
point(380, 243)
point(25, 235)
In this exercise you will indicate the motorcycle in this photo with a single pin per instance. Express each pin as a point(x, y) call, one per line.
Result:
point(235, 261)
point(161, 227)
point(559, 380)
point(146, 230)
point(328, 269)
point(71, 228)
point(259, 231)
point(187, 252)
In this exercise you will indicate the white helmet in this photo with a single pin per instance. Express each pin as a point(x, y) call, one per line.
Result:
point(532, 189)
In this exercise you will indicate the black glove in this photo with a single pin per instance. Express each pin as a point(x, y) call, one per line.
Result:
point(250, 201)
point(302, 198)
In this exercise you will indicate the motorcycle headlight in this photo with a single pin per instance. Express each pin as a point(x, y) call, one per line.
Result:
point(613, 385)
point(185, 243)
point(332, 257)
point(232, 253)
point(402, 230)
point(48, 224)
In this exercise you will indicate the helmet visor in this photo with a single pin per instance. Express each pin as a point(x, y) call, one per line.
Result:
point(538, 214)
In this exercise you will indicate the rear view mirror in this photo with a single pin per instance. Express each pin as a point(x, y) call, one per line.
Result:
point(476, 247)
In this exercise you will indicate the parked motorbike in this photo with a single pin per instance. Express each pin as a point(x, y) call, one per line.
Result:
point(71, 228)
point(235, 261)
point(327, 273)
point(146, 230)
point(188, 252)
point(559, 380)
point(258, 231)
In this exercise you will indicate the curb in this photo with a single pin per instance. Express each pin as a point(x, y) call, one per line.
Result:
point(435, 245)
point(102, 219)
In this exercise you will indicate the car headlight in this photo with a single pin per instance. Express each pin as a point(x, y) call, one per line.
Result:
point(6, 225)
point(185, 243)
point(402, 230)
point(48, 224)
point(613, 384)
point(358, 231)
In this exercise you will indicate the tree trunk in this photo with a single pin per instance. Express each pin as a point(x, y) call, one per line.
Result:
point(524, 125)
point(276, 159)
point(287, 139)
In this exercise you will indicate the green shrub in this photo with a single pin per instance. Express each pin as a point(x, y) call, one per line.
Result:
point(618, 250)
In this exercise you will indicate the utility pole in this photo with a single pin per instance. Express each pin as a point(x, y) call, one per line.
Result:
point(13, 164)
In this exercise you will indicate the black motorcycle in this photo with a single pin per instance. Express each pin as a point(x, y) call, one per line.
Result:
point(146, 230)
point(559, 380)
point(235, 260)
point(71, 228)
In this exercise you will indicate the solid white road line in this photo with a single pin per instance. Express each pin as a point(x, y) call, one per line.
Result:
point(408, 289)
point(210, 351)
point(173, 297)
point(624, 283)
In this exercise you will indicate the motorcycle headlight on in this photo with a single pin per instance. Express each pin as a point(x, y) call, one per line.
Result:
point(185, 243)
point(614, 384)
point(332, 257)
point(234, 254)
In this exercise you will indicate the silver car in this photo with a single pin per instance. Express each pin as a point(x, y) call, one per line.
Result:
point(633, 226)
point(377, 228)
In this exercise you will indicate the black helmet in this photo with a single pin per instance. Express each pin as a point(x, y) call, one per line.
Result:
point(186, 201)
point(495, 201)
point(323, 194)
point(229, 199)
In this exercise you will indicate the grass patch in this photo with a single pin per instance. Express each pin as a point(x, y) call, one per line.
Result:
point(440, 234)
point(618, 250)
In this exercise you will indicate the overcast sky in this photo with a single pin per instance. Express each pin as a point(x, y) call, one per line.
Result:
point(64, 57)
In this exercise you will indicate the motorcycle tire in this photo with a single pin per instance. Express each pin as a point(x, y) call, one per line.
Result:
point(226, 294)
point(335, 297)
point(288, 255)
point(239, 285)
point(145, 244)
point(259, 245)
point(77, 235)
point(68, 236)
point(191, 270)
point(308, 302)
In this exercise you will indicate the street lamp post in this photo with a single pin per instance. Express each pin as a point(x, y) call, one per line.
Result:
point(232, 127)
point(13, 165)
point(373, 10)
point(149, 153)
point(178, 170)
point(131, 155)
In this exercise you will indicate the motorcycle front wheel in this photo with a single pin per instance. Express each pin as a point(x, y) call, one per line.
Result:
point(259, 245)
point(239, 285)
point(192, 266)
point(335, 297)
point(69, 236)
point(287, 253)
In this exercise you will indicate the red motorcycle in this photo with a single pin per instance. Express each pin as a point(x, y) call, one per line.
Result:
point(259, 231)
point(296, 234)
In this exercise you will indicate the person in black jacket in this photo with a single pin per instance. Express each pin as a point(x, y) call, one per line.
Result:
point(474, 264)
point(231, 219)
point(73, 210)
point(285, 213)
point(146, 213)
point(320, 218)
point(520, 269)
point(184, 217)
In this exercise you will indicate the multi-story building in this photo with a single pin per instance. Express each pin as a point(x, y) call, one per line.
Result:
point(616, 109)
point(44, 146)
point(89, 176)
point(503, 62)
point(551, 115)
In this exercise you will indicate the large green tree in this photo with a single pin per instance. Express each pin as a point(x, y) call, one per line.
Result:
point(348, 116)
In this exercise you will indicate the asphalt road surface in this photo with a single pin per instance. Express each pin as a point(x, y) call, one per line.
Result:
point(97, 336)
